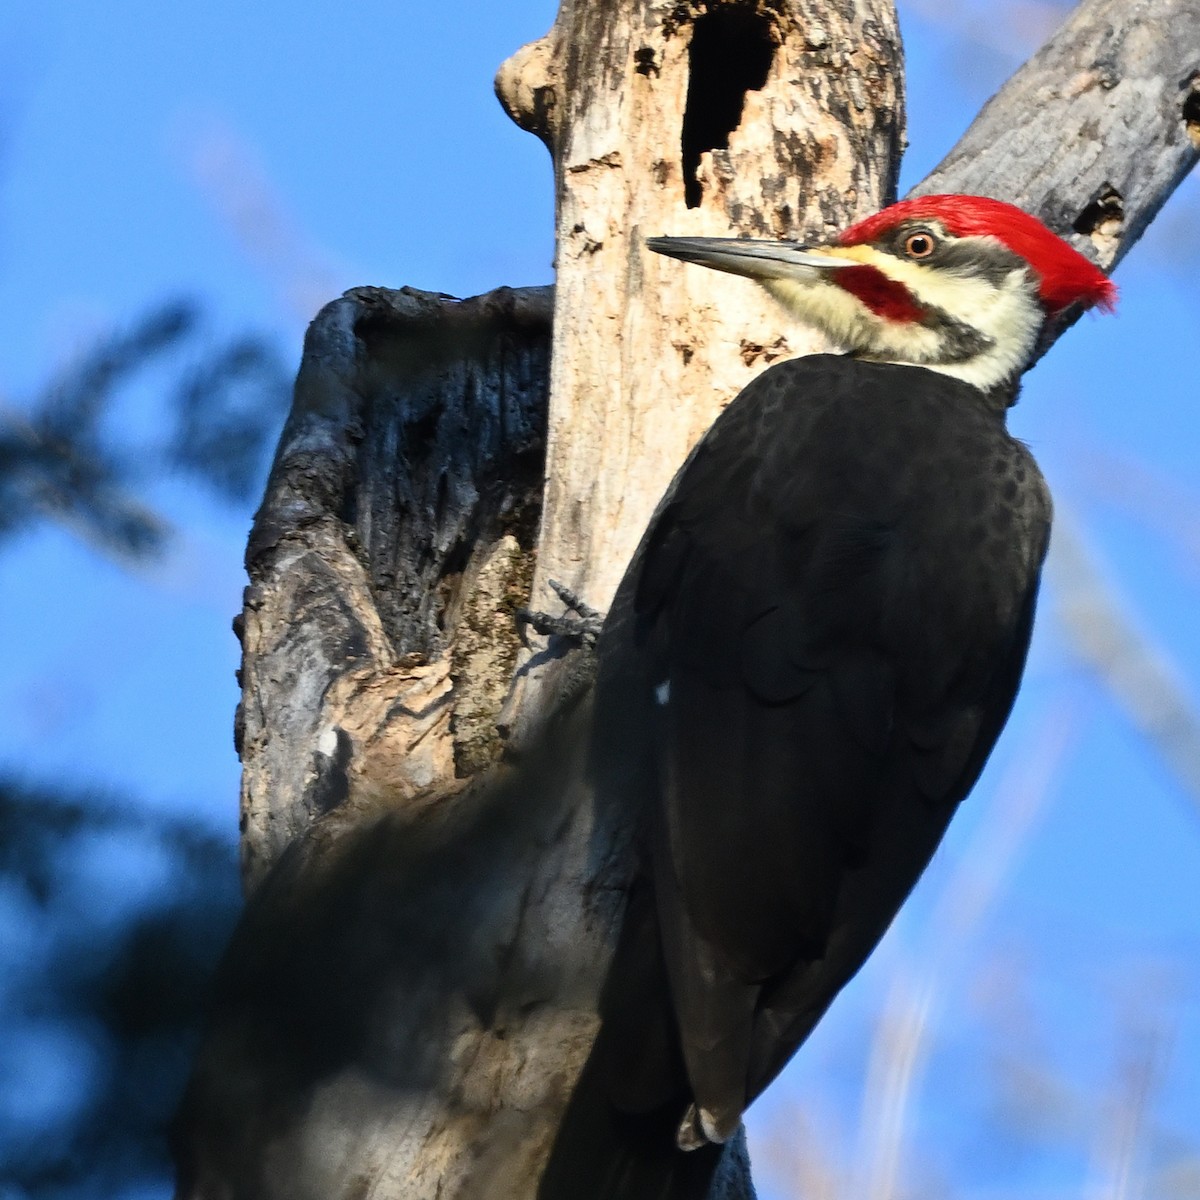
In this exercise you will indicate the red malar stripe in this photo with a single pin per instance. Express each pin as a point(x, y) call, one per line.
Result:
point(882, 295)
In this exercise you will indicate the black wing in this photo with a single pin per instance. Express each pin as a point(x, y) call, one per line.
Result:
point(832, 608)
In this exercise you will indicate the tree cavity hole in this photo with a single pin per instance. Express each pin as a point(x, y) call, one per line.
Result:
point(730, 55)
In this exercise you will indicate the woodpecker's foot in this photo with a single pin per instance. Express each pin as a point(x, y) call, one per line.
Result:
point(699, 1127)
point(689, 1135)
point(582, 629)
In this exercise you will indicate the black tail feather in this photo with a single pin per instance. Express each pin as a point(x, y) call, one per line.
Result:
point(617, 1139)
point(603, 1154)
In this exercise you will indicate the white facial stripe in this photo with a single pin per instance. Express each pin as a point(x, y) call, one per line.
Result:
point(1008, 317)
point(848, 321)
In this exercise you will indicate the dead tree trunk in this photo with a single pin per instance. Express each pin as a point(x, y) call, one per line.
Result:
point(431, 897)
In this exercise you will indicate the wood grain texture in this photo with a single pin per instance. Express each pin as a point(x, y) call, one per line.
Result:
point(389, 555)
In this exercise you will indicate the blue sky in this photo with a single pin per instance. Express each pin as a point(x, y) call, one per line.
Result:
point(261, 159)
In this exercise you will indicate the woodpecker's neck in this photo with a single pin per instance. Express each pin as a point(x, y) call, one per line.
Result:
point(985, 335)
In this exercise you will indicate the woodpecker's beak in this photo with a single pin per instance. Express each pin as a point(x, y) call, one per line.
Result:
point(755, 258)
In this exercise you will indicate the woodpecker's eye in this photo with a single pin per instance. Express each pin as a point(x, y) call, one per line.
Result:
point(920, 244)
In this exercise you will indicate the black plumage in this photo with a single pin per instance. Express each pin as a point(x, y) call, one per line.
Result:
point(803, 673)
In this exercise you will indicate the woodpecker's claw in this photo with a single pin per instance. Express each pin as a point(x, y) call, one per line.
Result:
point(582, 629)
point(573, 602)
point(700, 1127)
point(689, 1135)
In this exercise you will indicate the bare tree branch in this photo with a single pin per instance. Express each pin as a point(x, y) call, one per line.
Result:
point(1138, 674)
point(232, 177)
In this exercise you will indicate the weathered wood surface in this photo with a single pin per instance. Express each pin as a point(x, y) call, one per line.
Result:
point(398, 993)
point(762, 118)
point(387, 560)
point(413, 989)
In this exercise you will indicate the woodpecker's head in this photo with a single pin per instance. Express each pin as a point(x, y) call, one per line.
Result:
point(958, 284)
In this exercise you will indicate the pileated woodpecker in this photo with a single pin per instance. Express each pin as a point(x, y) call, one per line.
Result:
point(821, 637)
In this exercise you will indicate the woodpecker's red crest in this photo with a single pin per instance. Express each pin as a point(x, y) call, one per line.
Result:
point(1066, 276)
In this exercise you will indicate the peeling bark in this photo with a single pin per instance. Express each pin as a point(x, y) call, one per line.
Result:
point(433, 897)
